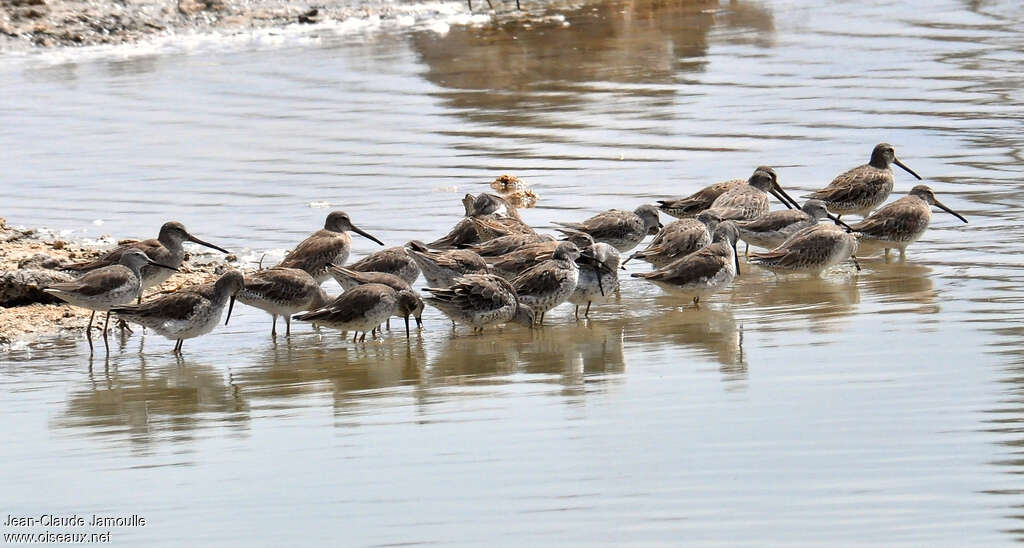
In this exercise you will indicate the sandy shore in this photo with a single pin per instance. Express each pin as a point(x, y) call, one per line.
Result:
point(55, 23)
point(30, 255)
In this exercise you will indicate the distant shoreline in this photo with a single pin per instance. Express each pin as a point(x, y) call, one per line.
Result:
point(42, 24)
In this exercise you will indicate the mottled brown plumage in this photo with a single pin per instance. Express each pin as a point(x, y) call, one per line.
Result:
point(327, 246)
point(902, 222)
point(282, 291)
point(393, 260)
point(863, 188)
point(690, 206)
point(811, 250)
point(621, 229)
point(440, 268)
point(479, 300)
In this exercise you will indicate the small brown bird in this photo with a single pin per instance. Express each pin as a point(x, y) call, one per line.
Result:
point(363, 308)
point(902, 222)
point(620, 229)
point(282, 291)
point(166, 249)
point(703, 272)
point(330, 245)
point(863, 188)
point(393, 260)
point(440, 268)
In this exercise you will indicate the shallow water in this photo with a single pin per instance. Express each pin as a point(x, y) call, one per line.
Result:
point(881, 406)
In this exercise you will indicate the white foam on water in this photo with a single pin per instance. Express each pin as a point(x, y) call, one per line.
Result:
point(436, 17)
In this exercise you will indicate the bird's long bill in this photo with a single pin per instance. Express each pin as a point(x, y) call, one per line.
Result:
point(838, 222)
point(365, 234)
point(939, 205)
point(600, 284)
point(908, 170)
point(736, 256)
point(193, 239)
point(783, 197)
point(231, 306)
point(168, 267)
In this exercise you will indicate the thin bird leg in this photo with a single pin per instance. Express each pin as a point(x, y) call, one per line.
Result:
point(287, 326)
point(106, 322)
point(88, 331)
point(587, 313)
point(273, 328)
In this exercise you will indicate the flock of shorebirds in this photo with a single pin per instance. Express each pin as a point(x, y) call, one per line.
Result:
point(492, 268)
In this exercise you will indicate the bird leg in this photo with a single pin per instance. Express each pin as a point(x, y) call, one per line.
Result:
point(587, 313)
point(88, 331)
point(273, 327)
point(363, 338)
point(696, 302)
point(106, 322)
point(355, 336)
point(577, 312)
point(287, 326)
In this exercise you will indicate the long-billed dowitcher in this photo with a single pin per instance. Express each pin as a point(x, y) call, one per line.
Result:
point(107, 287)
point(187, 313)
point(393, 260)
point(703, 272)
point(621, 229)
point(550, 283)
point(479, 300)
point(363, 308)
point(811, 250)
point(690, 206)
point(440, 268)
point(487, 217)
point(330, 245)
point(514, 263)
point(901, 223)
point(281, 291)
point(599, 276)
point(770, 230)
point(750, 201)
point(507, 244)
point(348, 278)
point(863, 188)
point(166, 249)
point(678, 239)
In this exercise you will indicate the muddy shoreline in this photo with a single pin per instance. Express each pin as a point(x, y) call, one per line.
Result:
point(30, 258)
point(62, 23)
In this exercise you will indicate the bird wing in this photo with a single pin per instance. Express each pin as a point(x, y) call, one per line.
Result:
point(112, 257)
point(699, 265)
point(97, 282)
point(349, 306)
point(386, 260)
point(539, 278)
point(899, 217)
point(851, 186)
point(173, 306)
point(280, 284)
point(775, 220)
point(481, 292)
point(316, 252)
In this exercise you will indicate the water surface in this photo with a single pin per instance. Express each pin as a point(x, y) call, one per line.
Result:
point(880, 406)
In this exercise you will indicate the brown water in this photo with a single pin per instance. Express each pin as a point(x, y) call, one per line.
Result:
point(880, 407)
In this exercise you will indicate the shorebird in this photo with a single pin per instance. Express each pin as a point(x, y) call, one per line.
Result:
point(811, 250)
point(440, 268)
point(514, 190)
point(863, 188)
point(690, 206)
point(598, 278)
point(704, 271)
point(902, 222)
point(487, 217)
point(348, 278)
point(750, 201)
point(325, 247)
point(550, 283)
point(507, 244)
point(363, 308)
point(107, 287)
point(393, 260)
point(479, 300)
point(187, 313)
point(623, 230)
point(678, 239)
point(281, 291)
point(771, 229)
point(516, 262)
point(166, 249)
